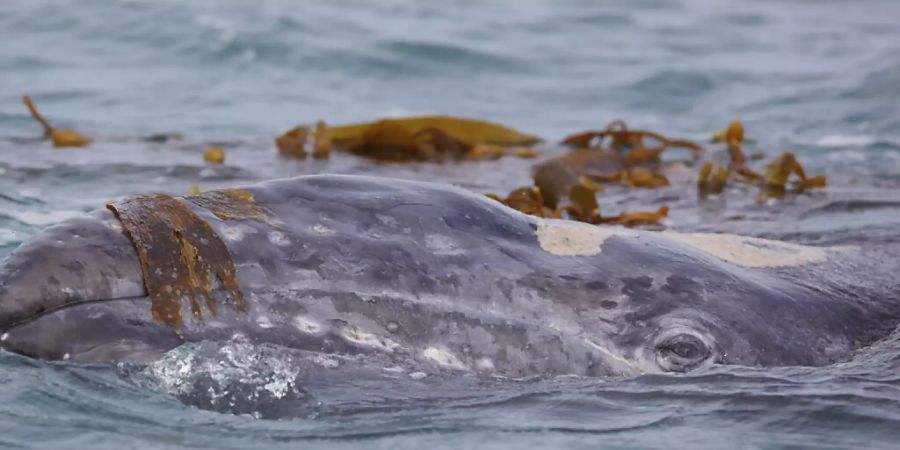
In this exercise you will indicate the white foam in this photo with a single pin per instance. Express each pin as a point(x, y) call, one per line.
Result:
point(39, 218)
point(443, 358)
point(844, 140)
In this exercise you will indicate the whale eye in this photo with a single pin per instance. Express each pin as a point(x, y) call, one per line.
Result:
point(681, 353)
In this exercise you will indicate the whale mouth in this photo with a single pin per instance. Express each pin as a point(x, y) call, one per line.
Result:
point(10, 323)
point(93, 331)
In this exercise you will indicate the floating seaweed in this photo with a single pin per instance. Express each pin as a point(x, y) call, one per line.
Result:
point(161, 138)
point(580, 204)
point(638, 218)
point(631, 158)
point(564, 186)
point(215, 155)
point(292, 143)
point(631, 144)
point(322, 142)
point(59, 136)
point(714, 177)
point(427, 138)
point(778, 172)
point(231, 204)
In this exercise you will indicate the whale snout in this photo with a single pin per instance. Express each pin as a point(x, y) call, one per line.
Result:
point(82, 260)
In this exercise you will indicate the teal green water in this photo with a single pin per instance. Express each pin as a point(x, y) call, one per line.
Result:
point(820, 78)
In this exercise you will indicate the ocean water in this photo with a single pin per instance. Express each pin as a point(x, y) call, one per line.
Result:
point(821, 78)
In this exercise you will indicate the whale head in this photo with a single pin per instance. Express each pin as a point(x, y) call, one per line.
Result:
point(75, 291)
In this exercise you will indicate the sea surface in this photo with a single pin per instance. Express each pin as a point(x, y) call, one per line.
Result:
point(820, 78)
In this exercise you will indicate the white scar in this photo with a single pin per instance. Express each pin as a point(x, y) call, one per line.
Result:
point(566, 238)
point(749, 251)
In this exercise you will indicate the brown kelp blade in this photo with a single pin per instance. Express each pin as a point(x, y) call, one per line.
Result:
point(215, 155)
point(180, 255)
point(322, 144)
point(468, 130)
point(292, 143)
point(639, 218)
point(713, 178)
point(412, 139)
point(59, 137)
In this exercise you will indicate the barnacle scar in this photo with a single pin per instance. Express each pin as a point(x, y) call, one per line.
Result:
point(566, 238)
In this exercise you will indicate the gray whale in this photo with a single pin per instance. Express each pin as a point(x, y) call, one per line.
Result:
point(452, 281)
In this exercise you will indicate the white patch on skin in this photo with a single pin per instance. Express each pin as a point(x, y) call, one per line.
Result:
point(359, 337)
point(387, 220)
point(418, 375)
point(264, 322)
point(326, 361)
point(4, 337)
point(443, 358)
point(749, 251)
point(442, 245)
point(113, 225)
point(121, 287)
point(566, 238)
point(484, 364)
point(231, 233)
point(307, 325)
point(278, 238)
point(633, 368)
point(323, 230)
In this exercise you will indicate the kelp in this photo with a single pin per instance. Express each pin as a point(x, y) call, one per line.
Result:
point(60, 137)
point(638, 218)
point(778, 172)
point(714, 177)
point(322, 142)
point(427, 138)
point(564, 186)
point(292, 144)
point(617, 154)
point(231, 204)
point(180, 257)
point(215, 155)
point(162, 138)
point(632, 144)
point(468, 130)
point(528, 200)
point(298, 142)
point(640, 177)
point(559, 192)
point(491, 151)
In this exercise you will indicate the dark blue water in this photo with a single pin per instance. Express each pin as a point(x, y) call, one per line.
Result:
point(821, 78)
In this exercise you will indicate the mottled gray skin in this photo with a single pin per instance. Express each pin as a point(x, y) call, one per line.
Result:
point(431, 275)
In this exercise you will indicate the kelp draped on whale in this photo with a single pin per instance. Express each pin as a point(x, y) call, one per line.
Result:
point(433, 275)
